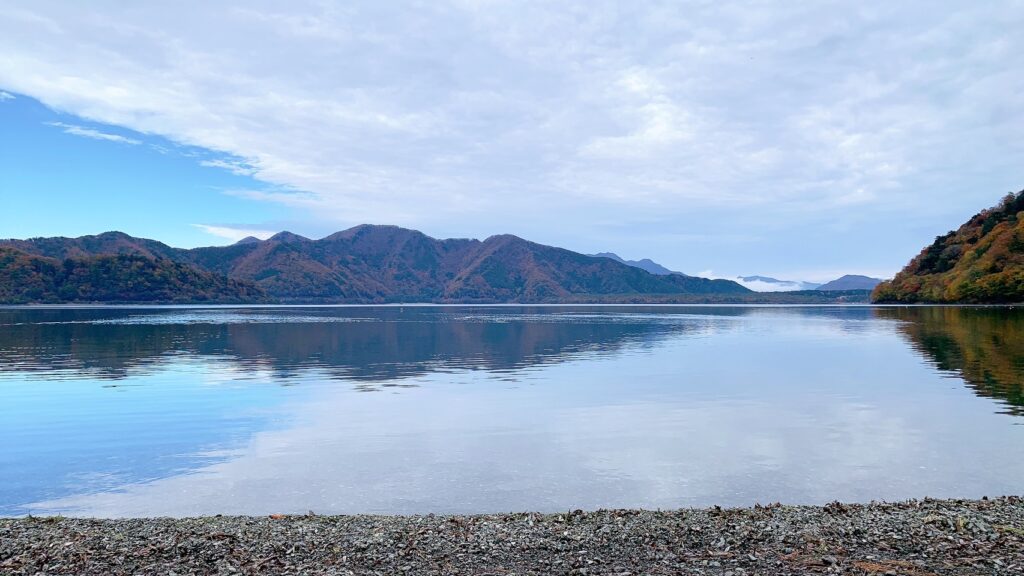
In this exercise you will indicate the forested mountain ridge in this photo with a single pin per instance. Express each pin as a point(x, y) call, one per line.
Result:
point(980, 262)
point(28, 278)
point(60, 247)
point(368, 264)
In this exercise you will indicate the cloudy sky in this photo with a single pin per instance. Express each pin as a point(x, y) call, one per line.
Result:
point(800, 140)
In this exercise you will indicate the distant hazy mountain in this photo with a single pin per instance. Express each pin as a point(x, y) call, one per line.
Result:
point(769, 284)
point(392, 264)
point(851, 282)
point(759, 283)
point(645, 264)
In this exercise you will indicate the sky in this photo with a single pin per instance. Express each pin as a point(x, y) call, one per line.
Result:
point(800, 140)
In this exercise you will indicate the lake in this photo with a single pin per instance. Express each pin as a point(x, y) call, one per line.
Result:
point(183, 411)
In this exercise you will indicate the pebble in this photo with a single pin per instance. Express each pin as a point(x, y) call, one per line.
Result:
point(913, 538)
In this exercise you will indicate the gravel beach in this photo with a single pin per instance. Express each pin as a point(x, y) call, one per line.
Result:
point(916, 538)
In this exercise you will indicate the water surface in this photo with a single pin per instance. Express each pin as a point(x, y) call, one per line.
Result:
point(187, 411)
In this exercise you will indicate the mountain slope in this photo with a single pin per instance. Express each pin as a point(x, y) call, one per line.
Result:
point(644, 264)
point(113, 278)
point(754, 283)
point(516, 269)
point(107, 243)
point(980, 262)
point(391, 264)
point(851, 282)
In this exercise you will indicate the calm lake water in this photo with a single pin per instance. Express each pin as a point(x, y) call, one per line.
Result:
point(187, 411)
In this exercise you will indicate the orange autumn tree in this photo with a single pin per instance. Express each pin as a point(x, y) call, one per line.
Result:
point(981, 262)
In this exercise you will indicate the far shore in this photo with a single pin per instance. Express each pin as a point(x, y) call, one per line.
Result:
point(915, 538)
point(784, 298)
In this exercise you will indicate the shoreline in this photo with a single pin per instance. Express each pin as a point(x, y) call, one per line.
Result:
point(723, 304)
point(916, 537)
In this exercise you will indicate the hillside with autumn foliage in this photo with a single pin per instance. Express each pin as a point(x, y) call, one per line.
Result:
point(981, 262)
point(377, 264)
point(124, 278)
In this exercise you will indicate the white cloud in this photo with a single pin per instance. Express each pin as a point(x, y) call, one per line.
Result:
point(761, 286)
point(6, 96)
point(239, 168)
point(76, 130)
point(590, 441)
point(805, 279)
point(234, 234)
point(655, 122)
point(549, 120)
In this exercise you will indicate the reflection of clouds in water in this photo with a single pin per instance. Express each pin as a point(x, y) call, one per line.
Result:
point(742, 452)
point(439, 449)
point(804, 326)
point(796, 405)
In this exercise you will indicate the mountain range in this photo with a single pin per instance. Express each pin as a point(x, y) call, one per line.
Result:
point(762, 283)
point(645, 264)
point(364, 264)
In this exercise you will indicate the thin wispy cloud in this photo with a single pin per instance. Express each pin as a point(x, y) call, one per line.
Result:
point(594, 125)
point(235, 167)
point(233, 234)
point(6, 96)
point(85, 132)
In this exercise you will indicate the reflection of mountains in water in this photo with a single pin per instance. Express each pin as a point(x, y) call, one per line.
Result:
point(353, 343)
point(984, 346)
